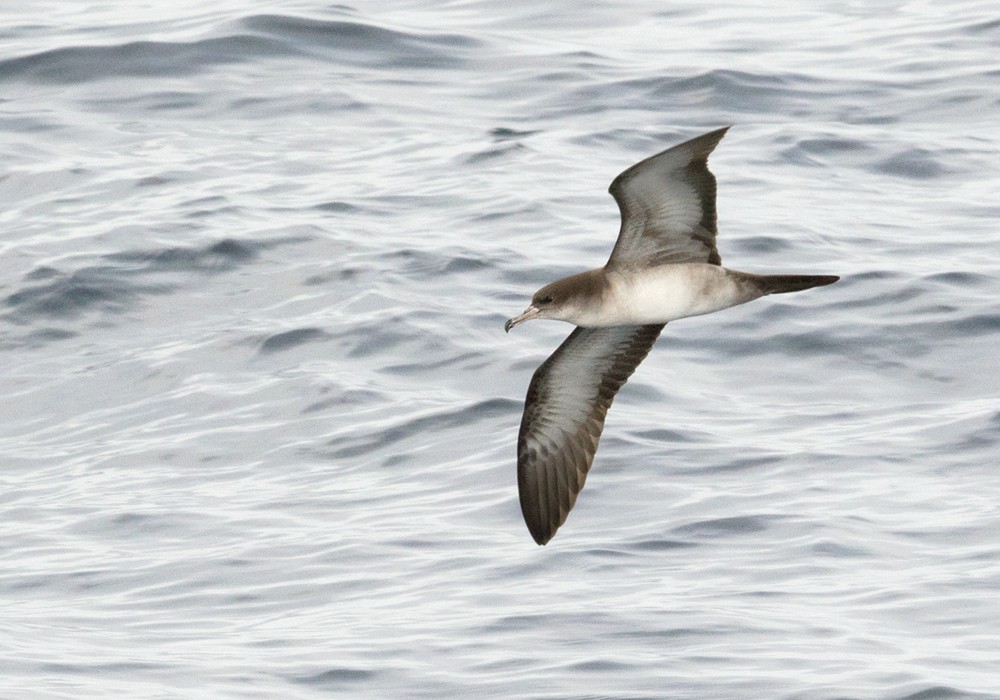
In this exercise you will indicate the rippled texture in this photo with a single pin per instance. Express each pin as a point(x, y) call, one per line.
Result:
point(258, 436)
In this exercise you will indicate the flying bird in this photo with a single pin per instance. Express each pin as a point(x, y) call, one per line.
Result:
point(664, 266)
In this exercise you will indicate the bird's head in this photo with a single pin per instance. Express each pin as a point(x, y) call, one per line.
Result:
point(560, 300)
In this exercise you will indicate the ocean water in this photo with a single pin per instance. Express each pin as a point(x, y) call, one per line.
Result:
point(259, 411)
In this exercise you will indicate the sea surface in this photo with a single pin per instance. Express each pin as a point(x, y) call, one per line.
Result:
point(259, 414)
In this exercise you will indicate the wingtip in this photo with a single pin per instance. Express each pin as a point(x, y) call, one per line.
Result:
point(714, 136)
point(539, 528)
point(541, 535)
point(542, 540)
point(703, 146)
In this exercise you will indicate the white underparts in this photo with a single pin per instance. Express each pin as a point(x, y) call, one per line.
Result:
point(662, 294)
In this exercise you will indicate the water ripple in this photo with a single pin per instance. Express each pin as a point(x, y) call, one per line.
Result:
point(149, 59)
point(358, 43)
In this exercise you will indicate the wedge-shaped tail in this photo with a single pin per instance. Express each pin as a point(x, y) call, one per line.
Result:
point(782, 284)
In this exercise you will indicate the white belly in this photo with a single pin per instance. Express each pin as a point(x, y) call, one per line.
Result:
point(663, 294)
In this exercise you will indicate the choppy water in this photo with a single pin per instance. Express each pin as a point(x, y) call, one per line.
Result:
point(259, 412)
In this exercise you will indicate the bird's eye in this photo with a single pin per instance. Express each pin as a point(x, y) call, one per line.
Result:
point(545, 300)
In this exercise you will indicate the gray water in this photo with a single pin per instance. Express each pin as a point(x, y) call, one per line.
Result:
point(259, 415)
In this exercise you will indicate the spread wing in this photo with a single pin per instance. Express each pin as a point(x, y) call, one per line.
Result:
point(564, 412)
point(667, 204)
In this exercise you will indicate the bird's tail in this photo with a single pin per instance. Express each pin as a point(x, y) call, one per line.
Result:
point(782, 284)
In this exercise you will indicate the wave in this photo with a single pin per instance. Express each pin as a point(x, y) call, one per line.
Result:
point(255, 38)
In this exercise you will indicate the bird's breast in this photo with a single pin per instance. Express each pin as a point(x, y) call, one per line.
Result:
point(664, 293)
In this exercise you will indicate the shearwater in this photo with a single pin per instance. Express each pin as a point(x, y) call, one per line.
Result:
point(664, 266)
